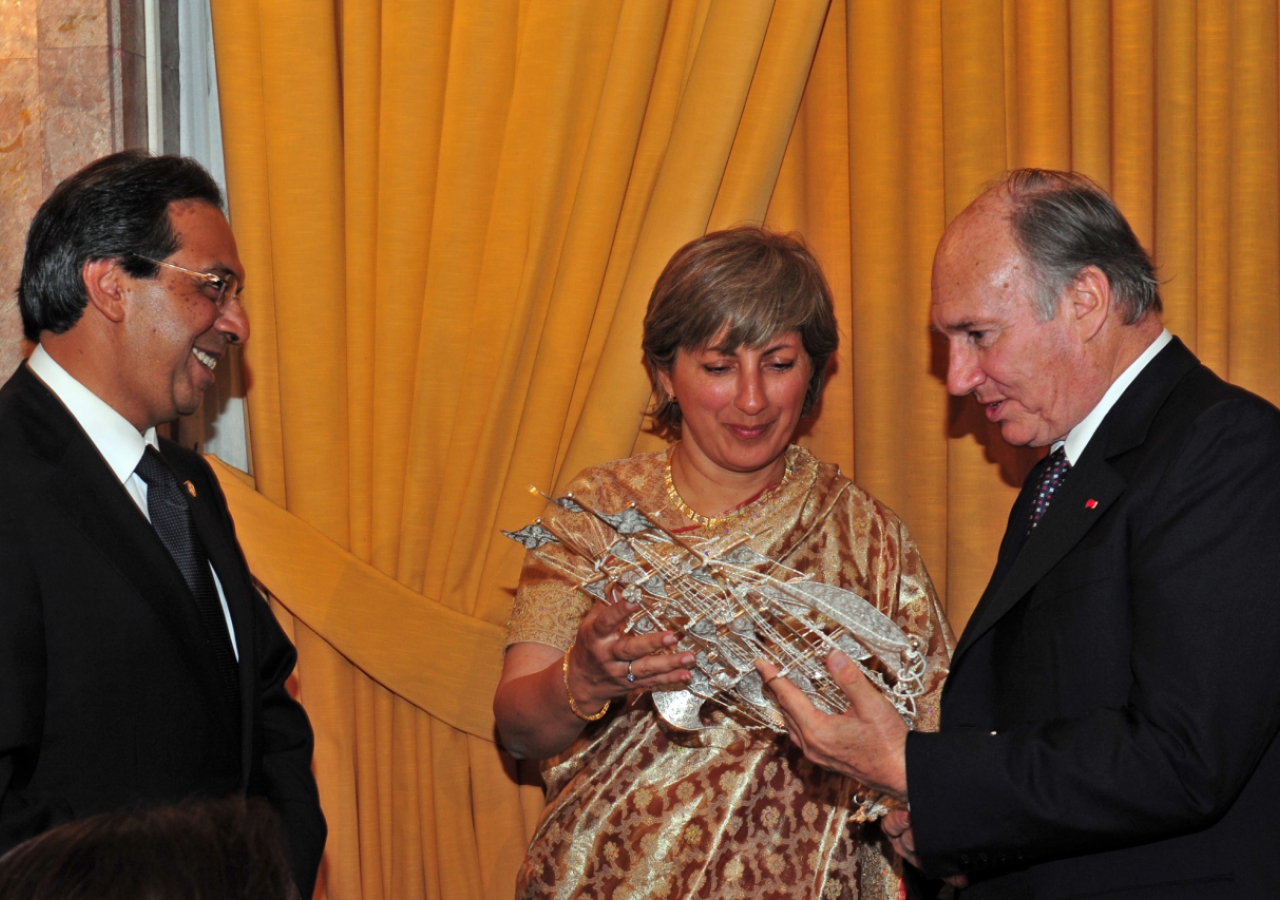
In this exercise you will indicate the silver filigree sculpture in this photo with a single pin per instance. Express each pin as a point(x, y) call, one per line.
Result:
point(730, 605)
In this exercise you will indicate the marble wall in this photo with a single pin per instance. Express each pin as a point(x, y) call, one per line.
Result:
point(72, 88)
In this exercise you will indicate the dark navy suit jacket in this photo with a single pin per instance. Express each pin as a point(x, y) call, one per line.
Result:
point(1109, 724)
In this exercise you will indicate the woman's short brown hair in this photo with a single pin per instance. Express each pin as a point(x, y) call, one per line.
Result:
point(749, 283)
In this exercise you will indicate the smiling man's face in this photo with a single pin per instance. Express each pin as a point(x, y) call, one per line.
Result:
point(1028, 374)
point(177, 333)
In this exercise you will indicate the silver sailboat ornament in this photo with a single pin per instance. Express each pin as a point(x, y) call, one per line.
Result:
point(730, 605)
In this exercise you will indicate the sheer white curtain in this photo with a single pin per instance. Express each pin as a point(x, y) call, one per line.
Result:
point(220, 426)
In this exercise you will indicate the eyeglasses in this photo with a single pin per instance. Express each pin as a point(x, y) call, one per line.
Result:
point(216, 287)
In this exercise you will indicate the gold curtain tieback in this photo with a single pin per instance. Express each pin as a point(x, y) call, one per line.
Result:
point(573, 705)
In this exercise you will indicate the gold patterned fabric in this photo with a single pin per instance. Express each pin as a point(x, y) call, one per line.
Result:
point(637, 809)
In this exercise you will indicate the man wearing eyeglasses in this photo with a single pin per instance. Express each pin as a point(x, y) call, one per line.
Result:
point(138, 664)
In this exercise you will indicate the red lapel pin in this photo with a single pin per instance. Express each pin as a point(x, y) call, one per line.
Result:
point(1091, 504)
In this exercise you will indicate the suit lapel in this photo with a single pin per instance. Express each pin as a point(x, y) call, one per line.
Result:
point(1091, 488)
point(1067, 520)
point(91, 498)
point(1010, 547)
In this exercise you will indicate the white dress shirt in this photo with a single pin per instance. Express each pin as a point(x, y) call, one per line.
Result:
point(119, 442)
point(1078, 437)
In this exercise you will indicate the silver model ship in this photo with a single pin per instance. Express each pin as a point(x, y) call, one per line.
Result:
point(730, 606)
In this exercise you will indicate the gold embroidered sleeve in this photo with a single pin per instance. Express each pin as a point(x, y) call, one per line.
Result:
point(550, 601)
point(549, 605)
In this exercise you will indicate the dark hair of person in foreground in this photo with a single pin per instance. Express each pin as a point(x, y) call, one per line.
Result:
point(216, 850)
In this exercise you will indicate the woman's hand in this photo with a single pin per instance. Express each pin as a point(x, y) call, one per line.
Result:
point(605, 663)
point(533, 715)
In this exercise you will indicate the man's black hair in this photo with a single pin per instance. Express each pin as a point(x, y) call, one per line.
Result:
point(114, 208)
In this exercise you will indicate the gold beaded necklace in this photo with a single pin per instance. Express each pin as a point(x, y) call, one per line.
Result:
point(713, 521)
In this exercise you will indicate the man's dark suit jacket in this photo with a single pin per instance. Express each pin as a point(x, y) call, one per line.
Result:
point(109, 695)
point(1109, 723)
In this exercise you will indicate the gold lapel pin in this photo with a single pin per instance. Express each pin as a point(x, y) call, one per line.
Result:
point(191, 488)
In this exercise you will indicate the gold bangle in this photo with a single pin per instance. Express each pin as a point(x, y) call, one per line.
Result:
point(572, 703)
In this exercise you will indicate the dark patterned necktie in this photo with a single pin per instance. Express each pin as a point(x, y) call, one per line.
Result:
point(1050, 478)
point(172, 520)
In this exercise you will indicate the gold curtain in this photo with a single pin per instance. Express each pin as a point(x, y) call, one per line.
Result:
point(452, 213)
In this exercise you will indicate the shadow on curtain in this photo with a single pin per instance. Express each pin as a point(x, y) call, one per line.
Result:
point(452, 214)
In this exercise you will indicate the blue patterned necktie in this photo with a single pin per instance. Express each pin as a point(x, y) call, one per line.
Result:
point(167, 506)
point(1050, 478)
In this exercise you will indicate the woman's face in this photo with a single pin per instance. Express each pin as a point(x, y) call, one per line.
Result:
point(740, 409)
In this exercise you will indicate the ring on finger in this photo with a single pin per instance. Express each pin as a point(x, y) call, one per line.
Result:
point(631, 676)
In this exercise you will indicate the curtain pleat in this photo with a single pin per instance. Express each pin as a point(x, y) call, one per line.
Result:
point(1253, 327)
point(1177, 188)
point(452, 214)
point(896, 168)
point(812, 198)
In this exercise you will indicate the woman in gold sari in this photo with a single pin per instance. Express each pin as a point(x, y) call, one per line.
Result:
point(738, 333)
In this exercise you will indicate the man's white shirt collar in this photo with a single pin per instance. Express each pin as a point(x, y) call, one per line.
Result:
point(1078, 437)
point(119, 442)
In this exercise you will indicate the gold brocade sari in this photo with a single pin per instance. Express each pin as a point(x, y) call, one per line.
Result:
point(637, 809)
